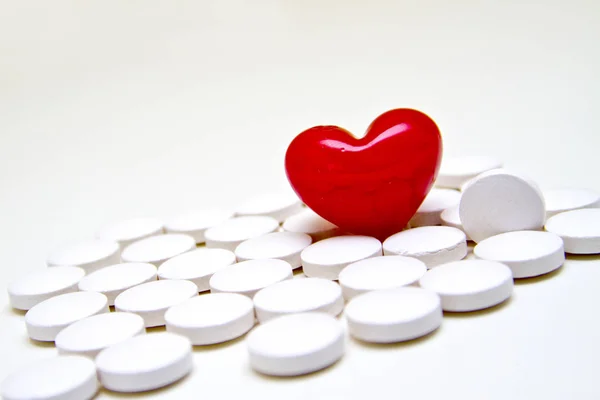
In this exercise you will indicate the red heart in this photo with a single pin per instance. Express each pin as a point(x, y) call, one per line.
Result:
point(369, 186)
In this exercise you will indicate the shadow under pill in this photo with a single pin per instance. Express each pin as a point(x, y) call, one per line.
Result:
point(583, 257)
point(398, 345)
point(479, 313)
point(539, 278)
point(154, 329)
point(9, 310)
point(39, 343)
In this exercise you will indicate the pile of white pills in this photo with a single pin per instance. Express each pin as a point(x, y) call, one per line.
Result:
point(214, 276)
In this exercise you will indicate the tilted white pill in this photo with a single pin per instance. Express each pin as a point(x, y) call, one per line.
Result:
point(232, 232)
point(430, 211)
point(561, 200)
point(158, 249)
point(195, 223)
point(278, 205)
point(88, 254)
point(130, 230)
point(248, 277)
point(285, 246)
point(456, 171)
point(579, 230)
point(451, 217)
point(309, 222)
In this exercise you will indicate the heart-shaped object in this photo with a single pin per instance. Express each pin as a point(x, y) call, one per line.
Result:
point(369, 186)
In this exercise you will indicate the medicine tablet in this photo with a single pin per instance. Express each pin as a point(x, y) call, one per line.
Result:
point(434, 245)
point(469, 285)
point(91, 335)
point(499, 201)
point(210, 319)
point(430, 211)
point(285, 246)
point(158, 249)
point(327, 258)
point(394, 315)
point(46, 319)
point(298, 295)
point(561, 200)
point(456, 171)
point(151, 300)
point(130, 230)
point(197, 266)
point(278, 205)
point(115, 279)
point(35, 287)
point(248, 277)
point(195, 223)
point(232, 232)
point(145, 362)
point(527, 253)
point(309, 222)
point(579, 230)
point(56, 378)
point(89, 255)
point(376, 273)
point(296, 344)
point(451, 217)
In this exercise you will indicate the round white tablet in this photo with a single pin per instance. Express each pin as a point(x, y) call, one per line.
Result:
point(248, 277)
point(213, 318)
point(456, 171)
point(561, 200)
point(89, 255)
point(579, 230)
point(56, 378)
point(91, 335)
point(151, 300)
point(35, 287)
point(327, 258)
point(46, 319)
point(197, 266)
point(158, 249)
point(145, 362)
point(527, 253)
point(130, 230)
point(278, 205)
point(298, 295)
point(451, 217)
point(234, 231)
point(309, 222)
point(115, 279)
point(285, 246)
point(469, 285)
point(394, 315)
point(499, 201)
point(430, 211)
point(195, 223)
point(434, 245)
point(296, 344)
point(376, 273)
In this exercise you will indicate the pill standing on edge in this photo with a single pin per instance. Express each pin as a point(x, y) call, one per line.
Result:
point(561, 200)
point(456, 171)
point(158, 249)
point(248, 277)
point(195, 223)
point(90, 255)
point(579, 230)
point(278, 205)
point(309, 222)
point(128, 231)
point(232, 232)
point(285, 246)
point(430, 211)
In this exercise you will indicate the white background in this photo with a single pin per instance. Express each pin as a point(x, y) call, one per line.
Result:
point(113, 109)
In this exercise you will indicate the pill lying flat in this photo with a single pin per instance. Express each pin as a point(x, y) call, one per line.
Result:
point(309, 222)
point(451, 217)
point(285, 246)
point(579, 230)
point(248, 277)
point(130, 230)
point(278, 205)
point(561, 200)
point(195, 223)
point(430, 211)
point(456, 171)
point(90, 255)
point(232, 232)
point(158, 249)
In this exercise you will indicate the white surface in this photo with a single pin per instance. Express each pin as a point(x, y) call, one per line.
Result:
point(158, 249)
point(229, 234)
point(278, 205)
point(129, 230)
point(248, 277)
point(309, 222)
point(567, 199)
point(456, 171)
point(285, 246)
point(437, 200)
point(579, 230)
point(195, 223)
point(451, 217)
point(90, 255)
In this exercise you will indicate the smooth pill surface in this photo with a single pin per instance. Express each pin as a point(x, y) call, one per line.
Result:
point(285, 246)
point(430, 211)
point(248, 277)
point(45, 320)
point(130, 230)
point(35, 287)
point(383, 272)
point(145, 362)
point(195, 223)
point(456, 171)
point(88, 254)
point(579, 230)
point(232, 232)
point(56, 378)
point(298, 295)
point(158, 249)
point(213, 318)
point(527, 253)
point(309, 222)
point(451, 217)
point(394, 315)
point(327, 258)
point(469, 285)
point(151, 300)
point(296, 344)
point(561, 200)
point(278, 205)
point(89, 336)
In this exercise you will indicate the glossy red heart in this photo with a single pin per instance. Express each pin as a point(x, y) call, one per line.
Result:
point(368, 186)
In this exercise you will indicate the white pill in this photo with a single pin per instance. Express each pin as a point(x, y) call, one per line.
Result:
point(451, 217)
point(309, 222)
point(195, 223)
point(579, 230)
point(278, 205)
point(213, 318)
point(499, 201)
point(469, 285)
point(248, 277)
point(130, 230)
point(56, 378)
point(296, 344)
point(376, 273)
point(158, 249)
point(35, 287)
point(45, 320)
point(285, 246)
point(115, 279)
point(91, 335)
point(232, 232)
point(298, 295)
point(561, 200)
point(527, 253)
point(89, 255)
point(197, 266)
point(327, 258)
point(151, 300)
point(394, 315)
point(456, 171)
point(145, 362)
point(434, 245)
point(430, 211)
